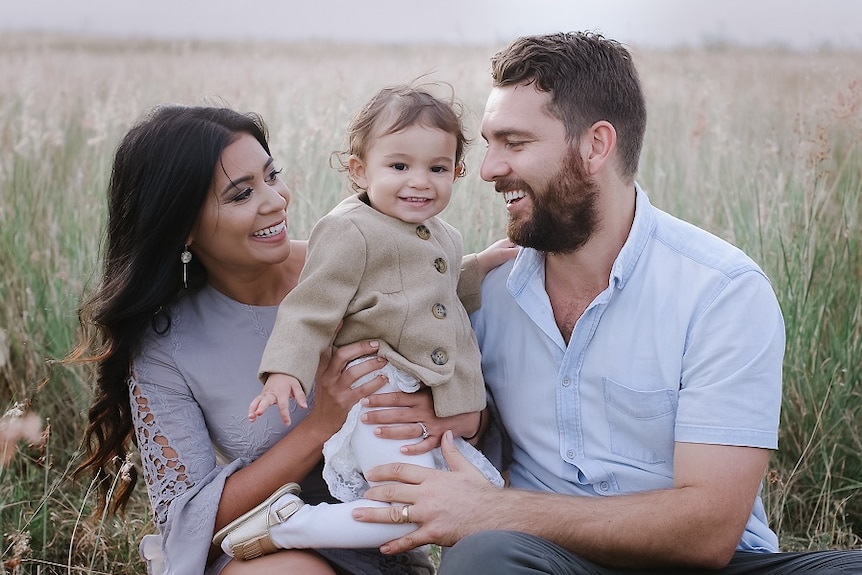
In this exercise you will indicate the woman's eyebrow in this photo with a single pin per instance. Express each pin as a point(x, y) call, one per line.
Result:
point(235, 183)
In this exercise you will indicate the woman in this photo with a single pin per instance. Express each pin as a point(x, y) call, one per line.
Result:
point(197, 259)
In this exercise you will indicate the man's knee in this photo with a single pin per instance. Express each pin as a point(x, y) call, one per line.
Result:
point(509, 552)
point(482, 552)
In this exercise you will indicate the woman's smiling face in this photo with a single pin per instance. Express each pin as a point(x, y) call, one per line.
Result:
point(243, 223)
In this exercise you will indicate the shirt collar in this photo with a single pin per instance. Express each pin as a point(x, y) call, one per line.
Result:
point(530, 262)
point(642, 229)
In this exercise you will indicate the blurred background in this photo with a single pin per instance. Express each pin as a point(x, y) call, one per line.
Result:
point(793, 24)
point(755, 116)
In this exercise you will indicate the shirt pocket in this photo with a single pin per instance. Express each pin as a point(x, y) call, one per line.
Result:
point(640, 422)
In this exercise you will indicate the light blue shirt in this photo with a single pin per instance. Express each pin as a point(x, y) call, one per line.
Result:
point(685, 345)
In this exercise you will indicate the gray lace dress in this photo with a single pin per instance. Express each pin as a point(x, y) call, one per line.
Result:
point(189, 391)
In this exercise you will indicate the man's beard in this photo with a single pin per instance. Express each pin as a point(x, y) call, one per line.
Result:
point(564, 215)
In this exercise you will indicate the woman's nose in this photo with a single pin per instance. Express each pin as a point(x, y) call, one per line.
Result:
point(277, 197)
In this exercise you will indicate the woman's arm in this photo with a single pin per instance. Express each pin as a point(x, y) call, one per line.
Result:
point(295, 455)
point(190, 494)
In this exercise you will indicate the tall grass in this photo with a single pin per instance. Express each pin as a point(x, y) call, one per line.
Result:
point(761, 148)
point(767, 155)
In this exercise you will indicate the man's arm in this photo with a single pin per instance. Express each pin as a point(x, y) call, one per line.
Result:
point(698, 522)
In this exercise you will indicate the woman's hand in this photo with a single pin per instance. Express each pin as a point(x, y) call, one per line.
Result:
point(408, 410)
point(333, 396)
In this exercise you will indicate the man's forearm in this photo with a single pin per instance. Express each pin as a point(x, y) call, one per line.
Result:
point(698, 522)
point(653, 528)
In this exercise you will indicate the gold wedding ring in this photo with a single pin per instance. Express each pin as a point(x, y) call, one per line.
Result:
point(405, 514)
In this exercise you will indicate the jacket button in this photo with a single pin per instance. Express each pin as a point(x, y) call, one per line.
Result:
point(423, 232)
point(439, 356)
point(440, 265)
point(439, 310)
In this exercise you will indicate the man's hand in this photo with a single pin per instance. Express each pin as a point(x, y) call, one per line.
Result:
point(447, 505)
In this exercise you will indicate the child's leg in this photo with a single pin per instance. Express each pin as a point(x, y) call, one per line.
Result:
point(371, 451)
point(332, 525)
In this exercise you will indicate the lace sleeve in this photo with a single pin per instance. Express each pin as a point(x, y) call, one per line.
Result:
point(184, 481)
point(173, 442)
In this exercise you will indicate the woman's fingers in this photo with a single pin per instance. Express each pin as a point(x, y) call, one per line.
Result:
point(394, 399)
point(333, 361)
point(405, 416)
point(369, 387)
point(345, 354)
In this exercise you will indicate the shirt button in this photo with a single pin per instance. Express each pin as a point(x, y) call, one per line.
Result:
point(604, 486)
point(566, 382)
point(570, 454)
point(439, 356)
point(440, 265)
point(423, 232)
point(439, 310)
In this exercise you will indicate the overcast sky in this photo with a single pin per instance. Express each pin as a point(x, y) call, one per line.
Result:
point(799, 24)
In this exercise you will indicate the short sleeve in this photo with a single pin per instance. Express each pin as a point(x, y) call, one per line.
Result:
point(732, 368)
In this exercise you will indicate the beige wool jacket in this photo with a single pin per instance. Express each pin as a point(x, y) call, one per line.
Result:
point(399, 283)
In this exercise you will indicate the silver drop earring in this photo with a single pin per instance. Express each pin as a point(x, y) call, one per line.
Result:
point(186, 257)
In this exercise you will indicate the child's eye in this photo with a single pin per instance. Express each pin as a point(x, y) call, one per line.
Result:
point(400, 166)
point(272, 176)
point(439, 169)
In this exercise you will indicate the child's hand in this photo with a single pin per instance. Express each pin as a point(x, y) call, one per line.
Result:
point(495, 255)
point(278, 390)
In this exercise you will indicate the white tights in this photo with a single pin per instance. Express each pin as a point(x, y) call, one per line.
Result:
point(331, 524)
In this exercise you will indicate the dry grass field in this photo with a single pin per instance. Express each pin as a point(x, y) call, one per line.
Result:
point(761, 148)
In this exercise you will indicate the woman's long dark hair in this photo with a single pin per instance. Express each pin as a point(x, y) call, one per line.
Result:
point(162, 172)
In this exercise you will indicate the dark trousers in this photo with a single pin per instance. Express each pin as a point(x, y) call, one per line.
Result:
point(514, 553)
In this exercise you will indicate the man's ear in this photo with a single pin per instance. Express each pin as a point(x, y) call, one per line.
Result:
point(597, 145)
point(356, 170)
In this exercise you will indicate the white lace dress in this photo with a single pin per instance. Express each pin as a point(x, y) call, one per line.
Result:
point(344, 471)
point(189, 393)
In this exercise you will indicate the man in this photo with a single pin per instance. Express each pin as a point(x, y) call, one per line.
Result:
point(633, 360)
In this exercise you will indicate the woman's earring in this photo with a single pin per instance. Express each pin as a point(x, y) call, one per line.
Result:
point(186, 257)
